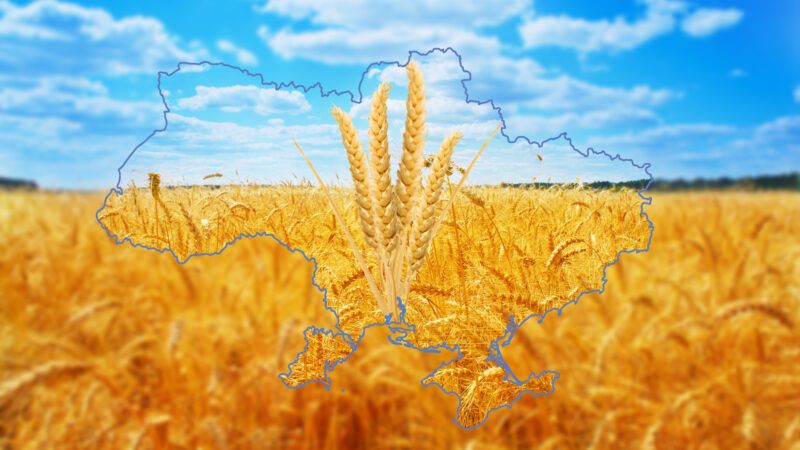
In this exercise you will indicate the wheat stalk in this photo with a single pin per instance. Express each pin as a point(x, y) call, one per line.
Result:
point(385, 307)
point(398, 223)
point(383, 197)
point(15, 385)
point(464, 177)
point(556, 255)
point(155, 191)
point(421, 237)
point(379, 162)
point(155, 185)
point(358, 170)
point(409, 175)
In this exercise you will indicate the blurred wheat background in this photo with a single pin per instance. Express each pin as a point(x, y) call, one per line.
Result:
point(694, 345)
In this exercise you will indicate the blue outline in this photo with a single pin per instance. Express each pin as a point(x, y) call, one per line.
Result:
point(400, 326)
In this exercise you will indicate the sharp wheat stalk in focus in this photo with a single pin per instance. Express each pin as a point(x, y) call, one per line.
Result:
point(398, 222)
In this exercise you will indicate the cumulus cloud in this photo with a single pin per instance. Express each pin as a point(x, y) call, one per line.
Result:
point(782, 135)
point(707, 21)
point(353, 14)
point(708, 149)
point(388, 30)
point(59, 123)
point(664, 136)
point(514, 83)
point(601, 35)
point(57, 37)
point(193, 147)
point(344, 46)
point(567, 93)
point(619, 34)
point(547, 125)
point(263, 101)
point(84, 104)
point(242, 55)
point(537, 105)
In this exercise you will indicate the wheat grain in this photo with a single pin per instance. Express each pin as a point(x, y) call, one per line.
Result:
point(198, 236)
point(409, 176)
point(744, 307)
point(381, 178)
point(555, 255)
point(473, 198)
point(155, 185)
point(662, 349)
point(386, 306)
point(423, 228)
point(358, 170)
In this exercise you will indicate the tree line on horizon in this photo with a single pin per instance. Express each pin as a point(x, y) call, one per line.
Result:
point(788, 181)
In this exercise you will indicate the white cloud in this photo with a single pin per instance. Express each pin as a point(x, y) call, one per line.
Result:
point(263, 101)
point(782, 135)
point(42, 126)
point(707, 149)
point(345, 46)
point(78, 101)
point(58, 124)
point(797, 94)
point(57, 37)
point(518, 163)
point(618, 34)
point(707, 21)
point(192, 148)
point(664, 135)
point(243, 56)
point(361, 14)
point(512, 82)
point(535, 105)
point(543, 125)
point(566, 93)
point(198, 132)
point(601, 35)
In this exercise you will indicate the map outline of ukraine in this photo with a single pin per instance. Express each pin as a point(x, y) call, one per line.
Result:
point(478, 376)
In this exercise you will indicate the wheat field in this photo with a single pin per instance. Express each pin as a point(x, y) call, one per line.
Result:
point(500, 253)
point(445, 267)
point(693, 345)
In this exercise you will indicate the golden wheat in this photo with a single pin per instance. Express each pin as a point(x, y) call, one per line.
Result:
point(358, 170)
point(409, 175)
point(409, 205)
point(380, 164)
point(182, 360)
point(423, 227)
point(218, 387)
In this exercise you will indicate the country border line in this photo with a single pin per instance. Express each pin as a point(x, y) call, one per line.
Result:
point(495, 351)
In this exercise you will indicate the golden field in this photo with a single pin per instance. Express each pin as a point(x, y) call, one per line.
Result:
point(501, 252)
point(694, 344)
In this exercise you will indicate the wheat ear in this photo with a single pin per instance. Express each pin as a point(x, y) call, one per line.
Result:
point(423, 227)
point(358, 169)
point(155, 185)
point(381, 180)
point(385, 306)
point(464, 177)
point(155, 191)
point(409, 175)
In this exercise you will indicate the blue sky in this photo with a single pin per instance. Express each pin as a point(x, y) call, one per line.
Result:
point(705, 88)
